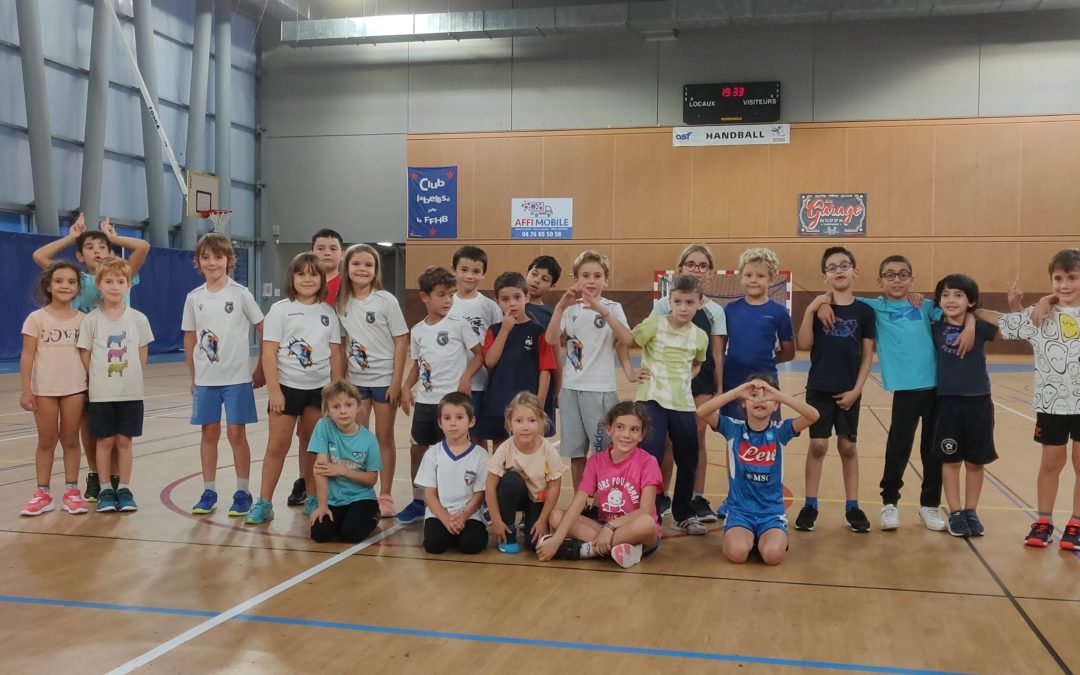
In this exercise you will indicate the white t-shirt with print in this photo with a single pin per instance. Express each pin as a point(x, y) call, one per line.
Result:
point(590, 347)
point(304, 334)
point(115, 367)
point(442, 353)
point(479, 313)
point(456, 478)
point(1056, 344)
point(370, 326)
point(222, 324)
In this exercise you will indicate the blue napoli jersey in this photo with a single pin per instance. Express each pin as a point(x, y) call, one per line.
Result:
point(756, 465)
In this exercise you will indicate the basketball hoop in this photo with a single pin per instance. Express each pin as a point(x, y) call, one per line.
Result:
point(220, 218)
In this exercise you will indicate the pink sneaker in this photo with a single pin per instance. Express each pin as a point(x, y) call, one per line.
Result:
point(73, 502)
point(627, 555)
point(40, 503)
point(386, 506)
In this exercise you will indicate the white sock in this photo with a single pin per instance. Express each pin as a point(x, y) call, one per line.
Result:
point(243, 484)
point(418, 494)
point(587, 550)
point(122, 486)
point(210, 485)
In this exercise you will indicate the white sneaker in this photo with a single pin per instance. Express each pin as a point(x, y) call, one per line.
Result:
point(931, 517)
point(692, 526)
point(890, 517)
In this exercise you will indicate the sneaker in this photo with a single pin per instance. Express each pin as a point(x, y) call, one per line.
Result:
point(570, 549)
point(626, 555)
point(931, 517)
point(114, 480)
point(721, 512)
point(890, 517)
point(262, 512)
point(106, 500)
point(807, 517)
point(73, 501)
point(41, 502)
point(485, 515)
point(510, 545)
point(663, 505)
point(386, 506)
point(207, 503)
point(125, 500)
point(1070, 538)
point(591, 511)
point(703, 510)
point(241, 504)
point(93, 488)
point(958, 524)
point(857, 519)
point(974, 524)
point(298, 494)
point(691, 526)
point(311, 505)
point(414, 511)
point(1041, 532)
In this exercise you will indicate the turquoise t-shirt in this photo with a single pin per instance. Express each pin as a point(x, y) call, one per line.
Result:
point(904, 346)
point(358, 452)
point(89, 296)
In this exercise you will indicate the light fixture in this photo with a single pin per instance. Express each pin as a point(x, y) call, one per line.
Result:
point(386, 244)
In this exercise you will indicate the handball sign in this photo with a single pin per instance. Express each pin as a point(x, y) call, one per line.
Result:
point(542, 218)
point(433, 202)
point(832, 215)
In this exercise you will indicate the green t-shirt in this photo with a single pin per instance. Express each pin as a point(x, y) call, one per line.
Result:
point(669, 354)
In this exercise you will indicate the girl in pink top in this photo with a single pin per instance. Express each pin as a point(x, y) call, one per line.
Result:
point(624, 479)
point(54, 384)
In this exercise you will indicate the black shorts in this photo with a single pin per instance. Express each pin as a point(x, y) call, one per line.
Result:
point(965, 429)
point(491, 428)
point(298, 399)
point(116, 418)
point(846, 422)
point(425, 424)
point(1056, 429)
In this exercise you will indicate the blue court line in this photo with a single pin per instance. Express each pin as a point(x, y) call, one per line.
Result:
point(489, 639)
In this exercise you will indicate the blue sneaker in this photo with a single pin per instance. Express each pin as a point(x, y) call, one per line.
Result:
point(510, 545)
point(207, 503)
point(721, 512)
point(311, 505)
point(125, 500)
point(106, 500)
point(262, 512)
point(241, 504)
point(414, 511)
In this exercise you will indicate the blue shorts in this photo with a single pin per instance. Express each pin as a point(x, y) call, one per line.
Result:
point(759, 525)
point(238, 399)
point(377, 394)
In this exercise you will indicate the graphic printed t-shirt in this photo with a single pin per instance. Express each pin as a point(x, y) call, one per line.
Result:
point(304, 334)
point(370, 327)
point(617, 486)
point(457, 478)
point(537, 467)
point(753, 333)
point(1056, 344)
point(837, 352)
point(357, 452)
point(58, 370)
point(590, 347)
point(961, 376)
point(756, 465)
point(524, 355)
point(222, 324)
point(905, 350)
point(442, 353)
point(89, 297)
point(115, 367)
point(669, 353)
point(478, 313)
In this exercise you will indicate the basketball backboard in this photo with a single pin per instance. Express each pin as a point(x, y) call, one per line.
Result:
point(202, 193)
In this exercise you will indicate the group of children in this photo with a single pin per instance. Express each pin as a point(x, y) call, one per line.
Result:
point(335, 350)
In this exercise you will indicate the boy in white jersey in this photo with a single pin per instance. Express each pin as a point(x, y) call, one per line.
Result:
point(446, 355)
point(475, 309)
point(217, 321)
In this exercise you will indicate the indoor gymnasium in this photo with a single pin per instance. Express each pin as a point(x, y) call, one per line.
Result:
point(538, 336)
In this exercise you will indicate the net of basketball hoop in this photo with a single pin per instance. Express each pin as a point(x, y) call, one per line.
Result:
point(220, 218)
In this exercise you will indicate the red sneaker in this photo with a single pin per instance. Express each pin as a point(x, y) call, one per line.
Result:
point(1070, 540)
point(1040, 534)
point(73, 502)
point(40, 503)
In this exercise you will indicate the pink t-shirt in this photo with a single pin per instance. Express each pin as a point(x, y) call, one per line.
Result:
point(58, 370)
point(617, 487)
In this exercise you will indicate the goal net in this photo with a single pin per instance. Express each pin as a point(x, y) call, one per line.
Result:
point(723, 286)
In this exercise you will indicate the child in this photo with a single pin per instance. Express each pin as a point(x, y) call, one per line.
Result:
point(518, 358)
point(1056, 342)
point(301, 354)
point(217, 319)
point(524, 474)
point(544, 272)
point(673, 349)
point(91, 247)
point(696, 261)
point(965, 411)
point(477, 310)
point(452, 478)
point(756, 466)
point(840, 358)
point(624, 479)
point(54, 384)
point(446, 354)
point(378, 341)
point(592, 330)
point(112, 344)
point(346, 469)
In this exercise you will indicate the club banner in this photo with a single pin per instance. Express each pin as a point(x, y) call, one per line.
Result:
point(832, 215)
point(731, 134)
point(542, 218)
point(433, 202)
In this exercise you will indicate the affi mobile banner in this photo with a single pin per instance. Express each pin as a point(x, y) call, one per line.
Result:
point(542, 218)
point(433, 202)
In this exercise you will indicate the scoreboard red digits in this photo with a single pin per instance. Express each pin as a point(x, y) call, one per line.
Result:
point(731, 103)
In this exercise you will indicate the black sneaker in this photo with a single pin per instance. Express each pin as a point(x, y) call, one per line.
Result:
point(114, 480)
point(299, 493)
point(591, 511)
point(807, 517)
point(974, 524)
point(663, 505)
point(703, 510)
point(958, 524)
point(570, 549)
point(857, 520)
point(93, 487)
point(1041, 533)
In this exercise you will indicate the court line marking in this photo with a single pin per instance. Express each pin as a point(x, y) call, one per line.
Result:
point(237, 610)
point(488, 639)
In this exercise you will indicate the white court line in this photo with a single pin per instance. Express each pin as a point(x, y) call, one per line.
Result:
point(35, 435)
point(1015, 412)
point(27, 412)
point(188, 635)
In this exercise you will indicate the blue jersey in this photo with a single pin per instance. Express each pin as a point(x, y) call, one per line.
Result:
point(756, 466)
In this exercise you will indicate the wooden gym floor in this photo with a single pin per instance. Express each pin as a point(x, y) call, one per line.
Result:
point(164, 591)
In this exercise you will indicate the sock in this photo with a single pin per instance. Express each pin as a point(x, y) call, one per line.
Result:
point(1074, 518)
point(417, 494)
point(811, 502)
point(242, 484)
point(1045, 518)
point(851, 504)
point(698, 494)
point(122, 486)
point(44, 488)
point(70, 486)
point(210, 485)
point(587, 550)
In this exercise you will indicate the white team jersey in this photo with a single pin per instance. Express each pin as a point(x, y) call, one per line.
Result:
point(456, 478)
point(370, 326)
point(590, 347)
point(480, 313)
point(222, 324)
point(304, 334)
point(442, 353)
